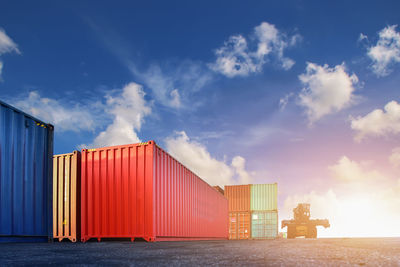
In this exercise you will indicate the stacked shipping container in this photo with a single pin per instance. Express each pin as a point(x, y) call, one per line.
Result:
point(264, 211)
point(252, 211)
point(239, 211)
point(26, 150)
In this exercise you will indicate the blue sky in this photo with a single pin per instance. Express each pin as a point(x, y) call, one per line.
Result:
point(240, 92)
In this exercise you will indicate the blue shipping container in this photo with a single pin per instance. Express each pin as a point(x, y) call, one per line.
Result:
point(26, 151)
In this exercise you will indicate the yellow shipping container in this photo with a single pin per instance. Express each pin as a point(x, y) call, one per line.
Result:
point(66, 196)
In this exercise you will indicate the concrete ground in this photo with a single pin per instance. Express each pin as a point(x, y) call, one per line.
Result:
point(282, 252)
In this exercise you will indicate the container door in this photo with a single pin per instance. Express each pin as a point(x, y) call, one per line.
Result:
point(244, 225)
point(66, 177)
point(264, 225)
point(233, 230)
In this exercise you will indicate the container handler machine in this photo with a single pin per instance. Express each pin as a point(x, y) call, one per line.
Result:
point(302, 225)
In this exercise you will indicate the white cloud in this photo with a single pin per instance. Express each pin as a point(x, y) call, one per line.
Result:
point(394, 158)
point(174, 84)
point(348, 170)
point(378, 122)
point(196, 157)
point(128, 109)
point(327, 90)
point(176, 98)
point(239, 164)
point(285, 100)
point(7, 45)
point(235, 58)
point(65, 117)
point(362, 37)
point(386, 52)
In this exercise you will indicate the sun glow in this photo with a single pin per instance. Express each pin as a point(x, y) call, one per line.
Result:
point(362, 216)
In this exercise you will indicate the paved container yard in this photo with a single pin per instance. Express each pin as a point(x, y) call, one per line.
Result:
point(282, 252)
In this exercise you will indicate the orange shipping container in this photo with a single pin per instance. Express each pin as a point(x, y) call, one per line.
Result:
point(66, 196)
point(239, 225)
point(238, 197)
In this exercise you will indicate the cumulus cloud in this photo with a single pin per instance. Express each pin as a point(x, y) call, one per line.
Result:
point(173, 84)
point(349, 170)
point(236, 58)
point(233, 59)
point(128, 110)
point(1, 68)
point(394, 158)
point(7, 45)
point(378, 122)
point(239, 164)
point(65, 117)
point(327, 90)
point(196, 157)
point(386, 52)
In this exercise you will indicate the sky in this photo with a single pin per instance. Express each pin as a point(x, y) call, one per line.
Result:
point(302, 93)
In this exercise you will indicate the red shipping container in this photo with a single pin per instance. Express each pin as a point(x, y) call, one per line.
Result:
point(140, 191)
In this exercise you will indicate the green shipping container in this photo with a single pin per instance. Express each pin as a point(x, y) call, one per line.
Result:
point(264, 197)
point(264, 224)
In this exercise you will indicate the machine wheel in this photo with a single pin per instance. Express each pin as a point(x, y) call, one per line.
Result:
point(291, 232)
point(312, 232)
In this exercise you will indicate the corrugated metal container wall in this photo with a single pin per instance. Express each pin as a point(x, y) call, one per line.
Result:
point(239, 225)
point(66, 196)
point(238, 197)
point(264, 224)
point(26, 150)
point(140, 191)
point(264, 197)
point(186, 206)
point(117, 192)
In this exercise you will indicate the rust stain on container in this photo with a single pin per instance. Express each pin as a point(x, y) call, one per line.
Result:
point(239, 225)
point(66, 196)
point(238, 197)
point(140, 191)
